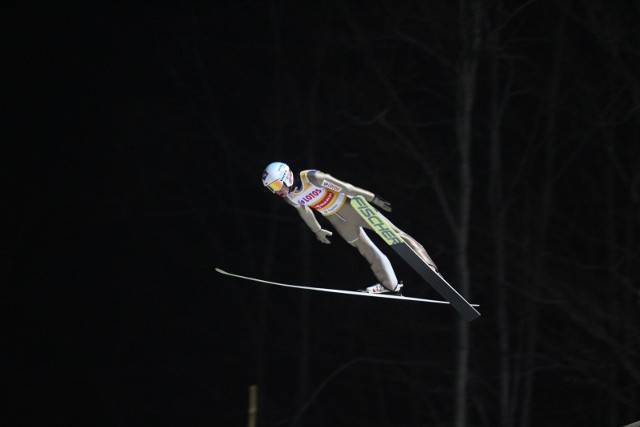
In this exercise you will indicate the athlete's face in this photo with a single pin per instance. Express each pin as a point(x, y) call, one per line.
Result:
point(283, 191)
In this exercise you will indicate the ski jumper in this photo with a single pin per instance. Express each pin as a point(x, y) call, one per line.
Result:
point(330, 197)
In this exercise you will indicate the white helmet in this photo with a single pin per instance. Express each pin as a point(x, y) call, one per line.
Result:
point(276, 175)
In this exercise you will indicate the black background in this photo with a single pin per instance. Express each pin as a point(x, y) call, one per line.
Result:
point(135, 140)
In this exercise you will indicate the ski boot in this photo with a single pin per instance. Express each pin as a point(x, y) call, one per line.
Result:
point(379, 289)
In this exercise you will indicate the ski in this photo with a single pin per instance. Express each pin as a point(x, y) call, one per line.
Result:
point(337, 291)
point(381, 226)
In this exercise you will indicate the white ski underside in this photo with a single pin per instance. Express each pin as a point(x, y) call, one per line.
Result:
point(337, 291)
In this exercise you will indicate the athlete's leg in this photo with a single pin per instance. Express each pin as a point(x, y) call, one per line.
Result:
point(349, 215)
point(418, 248)
point(379, 263)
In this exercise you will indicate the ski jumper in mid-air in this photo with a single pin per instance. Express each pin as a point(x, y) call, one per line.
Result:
point(315, 190)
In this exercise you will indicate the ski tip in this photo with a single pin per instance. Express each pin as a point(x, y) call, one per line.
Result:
point(220, 270)
point(470, 318)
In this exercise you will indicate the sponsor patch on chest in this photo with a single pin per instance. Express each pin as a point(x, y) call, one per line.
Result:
point(308, 197)
point(331, 186)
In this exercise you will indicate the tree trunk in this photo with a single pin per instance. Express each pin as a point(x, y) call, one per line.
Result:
point(540, 227)
point(470, 34)
point(498, 214)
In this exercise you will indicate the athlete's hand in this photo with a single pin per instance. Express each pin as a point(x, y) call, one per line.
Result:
point(322, 235)
point(381, 203)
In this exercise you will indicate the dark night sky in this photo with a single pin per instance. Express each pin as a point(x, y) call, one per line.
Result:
point(138, 136)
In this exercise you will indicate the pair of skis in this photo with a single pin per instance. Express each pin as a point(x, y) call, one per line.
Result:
point(382, 227)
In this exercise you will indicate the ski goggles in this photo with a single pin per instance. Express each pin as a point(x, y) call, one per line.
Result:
point(276, 185)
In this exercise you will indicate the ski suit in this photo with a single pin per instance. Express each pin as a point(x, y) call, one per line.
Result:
point(316, 190)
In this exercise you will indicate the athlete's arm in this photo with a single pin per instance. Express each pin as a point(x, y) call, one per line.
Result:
point(307, 215)
point(322, 179)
